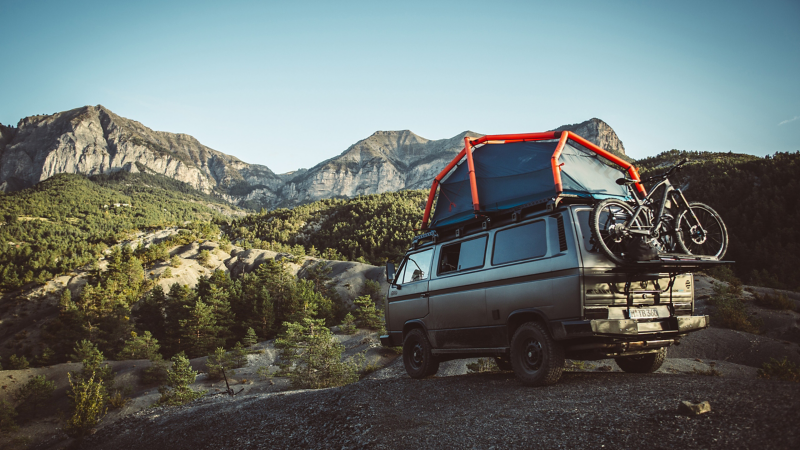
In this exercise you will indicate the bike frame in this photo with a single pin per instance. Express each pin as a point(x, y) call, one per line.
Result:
point(669, 193)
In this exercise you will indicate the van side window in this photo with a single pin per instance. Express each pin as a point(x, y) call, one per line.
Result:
point(417, 267)
point(462, 256)
point(518, 243)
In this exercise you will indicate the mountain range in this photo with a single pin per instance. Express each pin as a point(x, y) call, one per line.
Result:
point(93, 140)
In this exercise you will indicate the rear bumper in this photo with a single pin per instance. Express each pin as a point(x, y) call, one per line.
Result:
point(629, 327)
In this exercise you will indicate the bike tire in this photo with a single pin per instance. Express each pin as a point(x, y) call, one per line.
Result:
point(606, 220)
point(709, 237)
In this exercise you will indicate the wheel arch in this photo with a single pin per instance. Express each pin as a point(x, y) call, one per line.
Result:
point(519, 317)
point(412, 324)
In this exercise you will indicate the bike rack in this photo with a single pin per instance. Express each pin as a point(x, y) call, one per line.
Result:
point(672, 266)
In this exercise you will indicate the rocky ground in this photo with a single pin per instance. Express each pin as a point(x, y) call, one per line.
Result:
point(594, 405)
point(487, 410)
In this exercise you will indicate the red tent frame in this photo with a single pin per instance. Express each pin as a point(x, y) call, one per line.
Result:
point(562, 136)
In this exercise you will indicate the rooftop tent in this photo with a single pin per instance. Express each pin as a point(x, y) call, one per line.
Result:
point(510, 174)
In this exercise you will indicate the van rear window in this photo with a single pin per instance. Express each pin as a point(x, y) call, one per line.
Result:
point(462, 256)
point(518, 243)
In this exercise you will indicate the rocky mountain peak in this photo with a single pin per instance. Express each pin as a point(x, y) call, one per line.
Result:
point(597, 132)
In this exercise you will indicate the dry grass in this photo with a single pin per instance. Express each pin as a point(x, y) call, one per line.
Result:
point(775, 300)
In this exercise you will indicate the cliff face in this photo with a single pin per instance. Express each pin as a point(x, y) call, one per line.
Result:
point(597, 132)
point(385, 161)
point(93, 140)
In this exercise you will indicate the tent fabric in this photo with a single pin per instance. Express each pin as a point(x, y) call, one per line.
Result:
point(510, 175)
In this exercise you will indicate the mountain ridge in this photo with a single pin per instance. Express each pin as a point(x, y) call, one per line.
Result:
point(93, 140)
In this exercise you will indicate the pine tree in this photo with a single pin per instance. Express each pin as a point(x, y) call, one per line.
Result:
point(366, 314)
point(200, 331)
point(250, 338)
point(312, 356)
point(35, 392)
point(139, 347)
point(177, 389)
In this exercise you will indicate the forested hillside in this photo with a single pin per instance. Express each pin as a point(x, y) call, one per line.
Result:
point(759, 200)
point(68, 220)
point(370, 228)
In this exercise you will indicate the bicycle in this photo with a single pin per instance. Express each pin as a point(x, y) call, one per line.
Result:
point(696, 229)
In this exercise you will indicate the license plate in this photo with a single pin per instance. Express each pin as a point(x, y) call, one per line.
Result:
point(643, 313)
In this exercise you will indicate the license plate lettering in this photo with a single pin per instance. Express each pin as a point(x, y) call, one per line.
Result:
point(644, 313)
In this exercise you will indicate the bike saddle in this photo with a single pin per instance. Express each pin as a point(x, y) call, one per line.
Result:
point(624, 181)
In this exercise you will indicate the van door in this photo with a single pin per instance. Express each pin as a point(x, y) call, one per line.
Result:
point(408, 296)
point(457, 296)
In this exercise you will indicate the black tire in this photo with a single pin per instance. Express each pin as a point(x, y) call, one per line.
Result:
point(606, 220)
point(417, 356)
point(648, 363)
point(503, 362)
point(536, 358)
point(710, 239)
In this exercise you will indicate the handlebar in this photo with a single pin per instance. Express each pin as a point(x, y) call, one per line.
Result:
point(669, 172)
point(623, 181)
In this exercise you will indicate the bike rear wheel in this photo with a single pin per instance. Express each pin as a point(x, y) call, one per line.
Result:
point(701, 231)
point(608, 219)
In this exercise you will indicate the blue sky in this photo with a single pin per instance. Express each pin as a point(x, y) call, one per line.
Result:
point(289, 84)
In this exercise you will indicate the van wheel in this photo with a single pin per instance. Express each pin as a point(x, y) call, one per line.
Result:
point(503, 362)
point(642, 363)
point(417, 356)
point(536, 358)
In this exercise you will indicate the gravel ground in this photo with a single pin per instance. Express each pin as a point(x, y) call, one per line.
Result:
point(490, 410)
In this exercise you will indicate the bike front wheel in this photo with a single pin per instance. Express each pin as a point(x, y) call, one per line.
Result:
point(608, 220)
point(701, 232)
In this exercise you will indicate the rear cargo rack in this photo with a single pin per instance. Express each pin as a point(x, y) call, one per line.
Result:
point(671, 264)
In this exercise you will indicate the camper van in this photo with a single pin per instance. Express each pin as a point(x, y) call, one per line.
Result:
point(526, 283)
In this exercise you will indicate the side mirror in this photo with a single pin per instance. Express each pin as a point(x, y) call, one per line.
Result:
point(390, 272)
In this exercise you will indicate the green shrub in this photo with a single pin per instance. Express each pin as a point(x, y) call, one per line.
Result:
point(156, 374)
point(119, 398)
point(731, 312)
point(18, 362)
point(483, 365)
point(204, 257)
point(33, 394)
point(723, 273)
point(775, 300)
point(8, 416)
point(139, 347)
point(263, 373)
point(311, 356)
point(175, 261)
point(177, 389)
point(46, 358)
point(783, 369)
point(88, 400)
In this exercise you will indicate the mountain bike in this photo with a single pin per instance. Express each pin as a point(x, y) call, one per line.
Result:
point(670, 223)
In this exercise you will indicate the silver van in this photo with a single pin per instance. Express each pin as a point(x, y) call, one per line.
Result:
point(532, 290)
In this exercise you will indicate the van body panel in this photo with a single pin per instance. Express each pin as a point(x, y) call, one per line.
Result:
point(559, 278)
point(408, 302)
